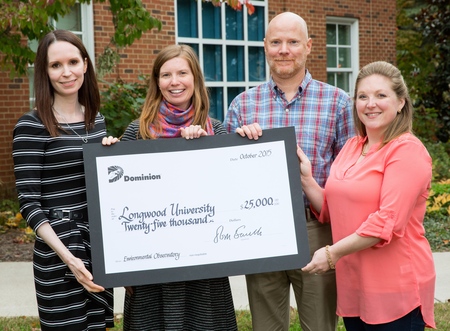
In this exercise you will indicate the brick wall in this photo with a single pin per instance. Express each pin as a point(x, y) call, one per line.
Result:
point(14, 101)
point(377, 31)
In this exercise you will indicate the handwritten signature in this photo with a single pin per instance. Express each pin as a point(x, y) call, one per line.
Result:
point(239, 233)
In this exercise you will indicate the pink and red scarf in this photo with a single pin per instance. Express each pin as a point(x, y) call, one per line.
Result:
point(172, 119)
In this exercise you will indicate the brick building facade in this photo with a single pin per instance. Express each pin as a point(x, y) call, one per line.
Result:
point(376, 40)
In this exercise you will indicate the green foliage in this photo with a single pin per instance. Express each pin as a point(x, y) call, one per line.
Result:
point(439, 200)
point(442, 187)
point(434, 25)
point(441, 160)
point(30, 19)
point(121, 104)
point(411, 59)
point(442, 316)
point(10, 217)
point(243, 318)
point(16, 56)
point(130, 20)
point(9, 205)
point(19, 323)
point(107, 61)
point(437, 217)
point(425, 122)
point(437, 231)
point(423, 56)
point(441, 312)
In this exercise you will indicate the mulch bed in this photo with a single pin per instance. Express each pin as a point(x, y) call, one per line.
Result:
point(12, 249)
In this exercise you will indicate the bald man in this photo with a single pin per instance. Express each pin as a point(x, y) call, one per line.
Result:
point(322, 117)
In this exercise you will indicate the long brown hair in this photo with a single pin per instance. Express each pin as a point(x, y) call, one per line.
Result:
point(200, 99)
point(88, 94)
point(403, 121)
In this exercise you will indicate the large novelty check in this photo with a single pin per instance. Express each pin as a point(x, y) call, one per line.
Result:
point(174, 209)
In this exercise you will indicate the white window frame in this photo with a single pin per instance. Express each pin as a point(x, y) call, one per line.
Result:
point(354, 48)
point(87, 24)
point(200, 41)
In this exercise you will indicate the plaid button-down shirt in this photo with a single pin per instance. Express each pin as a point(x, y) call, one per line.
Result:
point(320, 113)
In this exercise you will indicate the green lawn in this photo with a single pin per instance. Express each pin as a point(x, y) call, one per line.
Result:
point(442, 315)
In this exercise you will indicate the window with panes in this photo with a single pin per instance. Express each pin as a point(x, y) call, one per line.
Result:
point(80, 22)
point(229, 44)
point(342, 52)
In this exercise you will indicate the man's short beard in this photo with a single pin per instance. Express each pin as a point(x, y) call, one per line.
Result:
point(284, 72)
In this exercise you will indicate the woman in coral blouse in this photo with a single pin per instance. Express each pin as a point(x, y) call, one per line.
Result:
point(375, 199)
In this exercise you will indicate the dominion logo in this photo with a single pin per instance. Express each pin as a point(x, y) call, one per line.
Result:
point(114, 173)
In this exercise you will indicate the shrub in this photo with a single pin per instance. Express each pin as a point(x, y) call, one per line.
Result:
point(11, 218)
point(439, 152)
point(439, 199)
point(437, 231)
point(437, 217)
point(11, 205)
point(121, 104)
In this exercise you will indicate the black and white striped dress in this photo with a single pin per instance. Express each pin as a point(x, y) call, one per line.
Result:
point(50, 175)
point(198, 305)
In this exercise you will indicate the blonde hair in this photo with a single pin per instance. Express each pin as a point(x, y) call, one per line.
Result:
point(403, 121)
point(200, 99)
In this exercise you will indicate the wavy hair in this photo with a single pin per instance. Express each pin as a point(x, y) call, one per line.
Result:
point(88, 94)
point(403, 121)
point(200, 99)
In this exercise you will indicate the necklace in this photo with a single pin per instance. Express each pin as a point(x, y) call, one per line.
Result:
point(84, 139)
point(362, 150)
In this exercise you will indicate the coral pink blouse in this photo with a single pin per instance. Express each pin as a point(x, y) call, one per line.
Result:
point(382, 196)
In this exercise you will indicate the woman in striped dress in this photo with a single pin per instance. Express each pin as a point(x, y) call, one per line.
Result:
point(49, 170)
point(177, 105)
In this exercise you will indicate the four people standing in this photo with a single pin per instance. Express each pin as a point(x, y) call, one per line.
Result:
point(50, 181)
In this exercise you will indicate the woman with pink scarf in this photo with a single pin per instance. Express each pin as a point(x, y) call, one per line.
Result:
point(177, 105)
